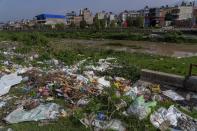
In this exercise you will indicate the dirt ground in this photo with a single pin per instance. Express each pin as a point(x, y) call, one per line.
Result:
point(159, 48)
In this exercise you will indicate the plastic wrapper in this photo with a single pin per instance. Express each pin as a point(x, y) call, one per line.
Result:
point(7, 81)
point(173, 95)
point(42, 112)
point(114, 124)
point(140, 108)
point(174, 117)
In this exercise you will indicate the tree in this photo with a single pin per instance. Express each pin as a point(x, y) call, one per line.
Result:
point(139, 22)
point(97, 24)
point(103, 23)
point(83, 24)
point(60, 26)
point(113, 24)
point(72, 24)
point(168, 17)
point(135, 22)
point(130, 21)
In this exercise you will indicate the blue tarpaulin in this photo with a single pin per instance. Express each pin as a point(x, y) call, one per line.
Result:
point(48, 16)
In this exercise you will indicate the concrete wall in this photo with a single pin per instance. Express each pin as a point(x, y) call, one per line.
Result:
point(185, 12)
point(162, 78)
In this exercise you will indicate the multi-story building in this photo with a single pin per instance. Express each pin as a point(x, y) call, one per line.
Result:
point(77, 20)
point(182, 16)
point(101, 15)
point(87, 16)
point(70, 16)
point(156, 19)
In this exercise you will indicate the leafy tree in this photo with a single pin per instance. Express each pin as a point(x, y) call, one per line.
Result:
point(168, 17)
point(72, 25)
point(139, 22)
point(113, 24)
point(83, 24)
point(135, 22)
point(60, 26)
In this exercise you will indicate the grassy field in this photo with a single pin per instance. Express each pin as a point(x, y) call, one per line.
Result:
point(44, 45)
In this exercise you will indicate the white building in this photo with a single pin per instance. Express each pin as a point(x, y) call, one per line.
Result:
point(183, 12)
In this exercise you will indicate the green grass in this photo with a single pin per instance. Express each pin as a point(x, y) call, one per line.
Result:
point(40, 37)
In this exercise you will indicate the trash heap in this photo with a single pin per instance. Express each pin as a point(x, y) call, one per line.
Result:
point(96, 101)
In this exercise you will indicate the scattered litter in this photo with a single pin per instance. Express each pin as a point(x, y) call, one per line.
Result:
point(174, 118)
point(43, 111)
point(173, 95)
point(114, 124)
point(83, 102)
point(7, 81)
point(2, 104)
point(103, 83)
point(140, 108)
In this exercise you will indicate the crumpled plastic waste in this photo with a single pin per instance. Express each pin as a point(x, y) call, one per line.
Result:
point(174, 118)
point(48, 111)
point(140, 108)
point(83, 102)
point(173, 95)
point(2, 104)
point(103, 65)
point(155, 88)
point(103, 83)
point(121, 84)
point(82, 79)
point(113, 124)
point(7, 81)
point(137, 90)
point(31, 104)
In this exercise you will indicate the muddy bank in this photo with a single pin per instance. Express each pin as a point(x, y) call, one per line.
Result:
point(159, 48)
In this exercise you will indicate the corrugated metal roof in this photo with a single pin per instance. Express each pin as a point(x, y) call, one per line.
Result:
point(45, 16)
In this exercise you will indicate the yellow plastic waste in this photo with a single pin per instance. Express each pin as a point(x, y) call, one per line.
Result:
point(155, 88)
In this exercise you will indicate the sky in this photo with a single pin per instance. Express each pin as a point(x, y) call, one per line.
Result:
point(27, 9)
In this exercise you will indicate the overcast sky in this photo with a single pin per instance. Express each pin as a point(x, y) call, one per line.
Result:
point(19, 9)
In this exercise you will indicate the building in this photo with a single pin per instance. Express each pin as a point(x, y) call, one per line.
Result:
point(155, 17)
point(50, 19)
point(70, 16)
point(101, 15)
point(194, 17)
point(87, 16)
point(182, 16)
point(77, 20)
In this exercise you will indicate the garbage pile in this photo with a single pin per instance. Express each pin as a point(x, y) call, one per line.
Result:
point(77, 86)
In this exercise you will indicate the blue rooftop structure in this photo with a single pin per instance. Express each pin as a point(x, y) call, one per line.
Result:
point(49, 16)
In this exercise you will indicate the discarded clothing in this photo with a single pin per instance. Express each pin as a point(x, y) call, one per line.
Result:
point(43, 111)
point(7, 81)
point(173, 95)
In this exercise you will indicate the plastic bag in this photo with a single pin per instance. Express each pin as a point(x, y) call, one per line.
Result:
point(140, 108)
point(175, 118)
point(173, 95)
point(42, 112)
point(7, 81)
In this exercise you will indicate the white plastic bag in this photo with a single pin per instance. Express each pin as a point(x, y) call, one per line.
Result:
point(42, 112)
point(7, 81)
